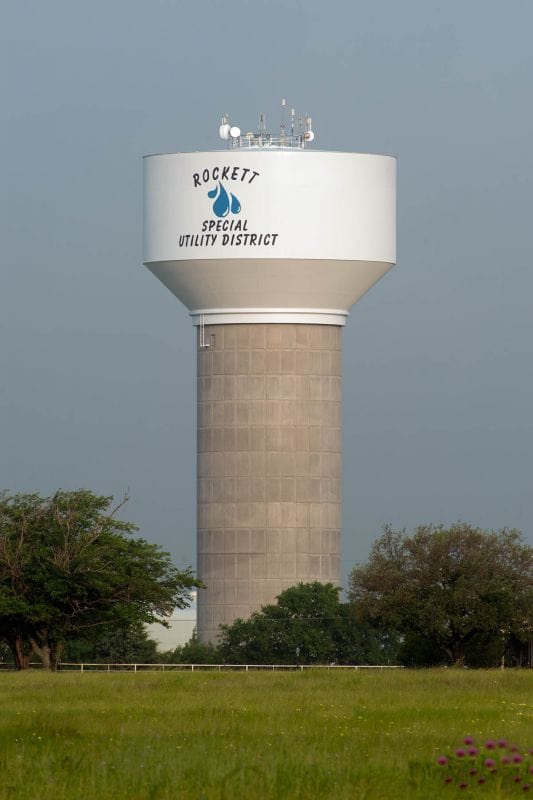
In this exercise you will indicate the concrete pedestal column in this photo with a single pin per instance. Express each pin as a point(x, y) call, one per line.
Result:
point(269, 464)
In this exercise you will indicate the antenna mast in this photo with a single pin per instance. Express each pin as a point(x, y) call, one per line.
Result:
point(299, 137)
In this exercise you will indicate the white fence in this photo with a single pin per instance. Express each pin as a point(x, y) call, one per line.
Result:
point(71, 666)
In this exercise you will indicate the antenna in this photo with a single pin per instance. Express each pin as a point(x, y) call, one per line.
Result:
point(308, 135)
point(298, 137)
point(223, 130)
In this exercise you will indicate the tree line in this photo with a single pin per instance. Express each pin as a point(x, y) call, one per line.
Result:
point(77, 585)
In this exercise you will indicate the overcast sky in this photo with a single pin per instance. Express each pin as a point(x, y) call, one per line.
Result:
point(97, 358)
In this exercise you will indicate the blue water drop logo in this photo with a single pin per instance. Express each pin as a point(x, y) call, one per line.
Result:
point(223, 204)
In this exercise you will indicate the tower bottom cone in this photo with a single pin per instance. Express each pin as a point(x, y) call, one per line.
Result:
point(269, 465)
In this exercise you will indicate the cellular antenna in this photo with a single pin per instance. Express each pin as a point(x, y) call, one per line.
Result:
point(223, 130)
point(308, 135)
point(299, 137)
point(228, 132)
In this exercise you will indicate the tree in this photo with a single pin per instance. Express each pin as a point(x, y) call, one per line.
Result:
point(126, 644)
point(448, 589)
point(68, 565)
point(5, 653)
point(308, 625)
point(193, 652)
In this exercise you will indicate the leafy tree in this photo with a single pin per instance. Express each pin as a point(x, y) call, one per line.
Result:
point(448, 590)
point(126, 644)
point(68, 565)
point(308, 625)
point(6, 655)
point(193, 652)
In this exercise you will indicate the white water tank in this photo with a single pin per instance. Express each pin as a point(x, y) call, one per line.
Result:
point(270, 234)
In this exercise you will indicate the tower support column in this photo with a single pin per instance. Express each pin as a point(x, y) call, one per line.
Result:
point(269, 464)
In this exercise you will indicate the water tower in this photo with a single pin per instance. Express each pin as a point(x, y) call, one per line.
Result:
point(268, 243)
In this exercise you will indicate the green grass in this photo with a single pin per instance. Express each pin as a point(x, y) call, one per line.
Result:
point(263, 736)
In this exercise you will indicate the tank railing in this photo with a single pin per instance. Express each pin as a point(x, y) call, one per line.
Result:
point(267, 140)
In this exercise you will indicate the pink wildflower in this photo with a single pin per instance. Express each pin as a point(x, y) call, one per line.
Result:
point(502, 742)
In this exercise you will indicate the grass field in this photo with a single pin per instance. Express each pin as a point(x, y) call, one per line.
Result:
point(231, 736)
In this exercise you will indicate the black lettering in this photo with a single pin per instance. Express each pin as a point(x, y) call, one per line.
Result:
point(225, 238)
point(254, 175)
point(215, 173)
point(274, 237)
point(253, 237)
point(196, 179)
point(235, 173)
point(212, 224)
point(225, 173)
point(237, 237)
point(245, 171)
point(205, 175)
point(205, 225)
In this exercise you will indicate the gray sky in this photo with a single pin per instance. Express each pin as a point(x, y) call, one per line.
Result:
point(97, 358)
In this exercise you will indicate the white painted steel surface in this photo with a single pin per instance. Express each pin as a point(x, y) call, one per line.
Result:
point(294, 236)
